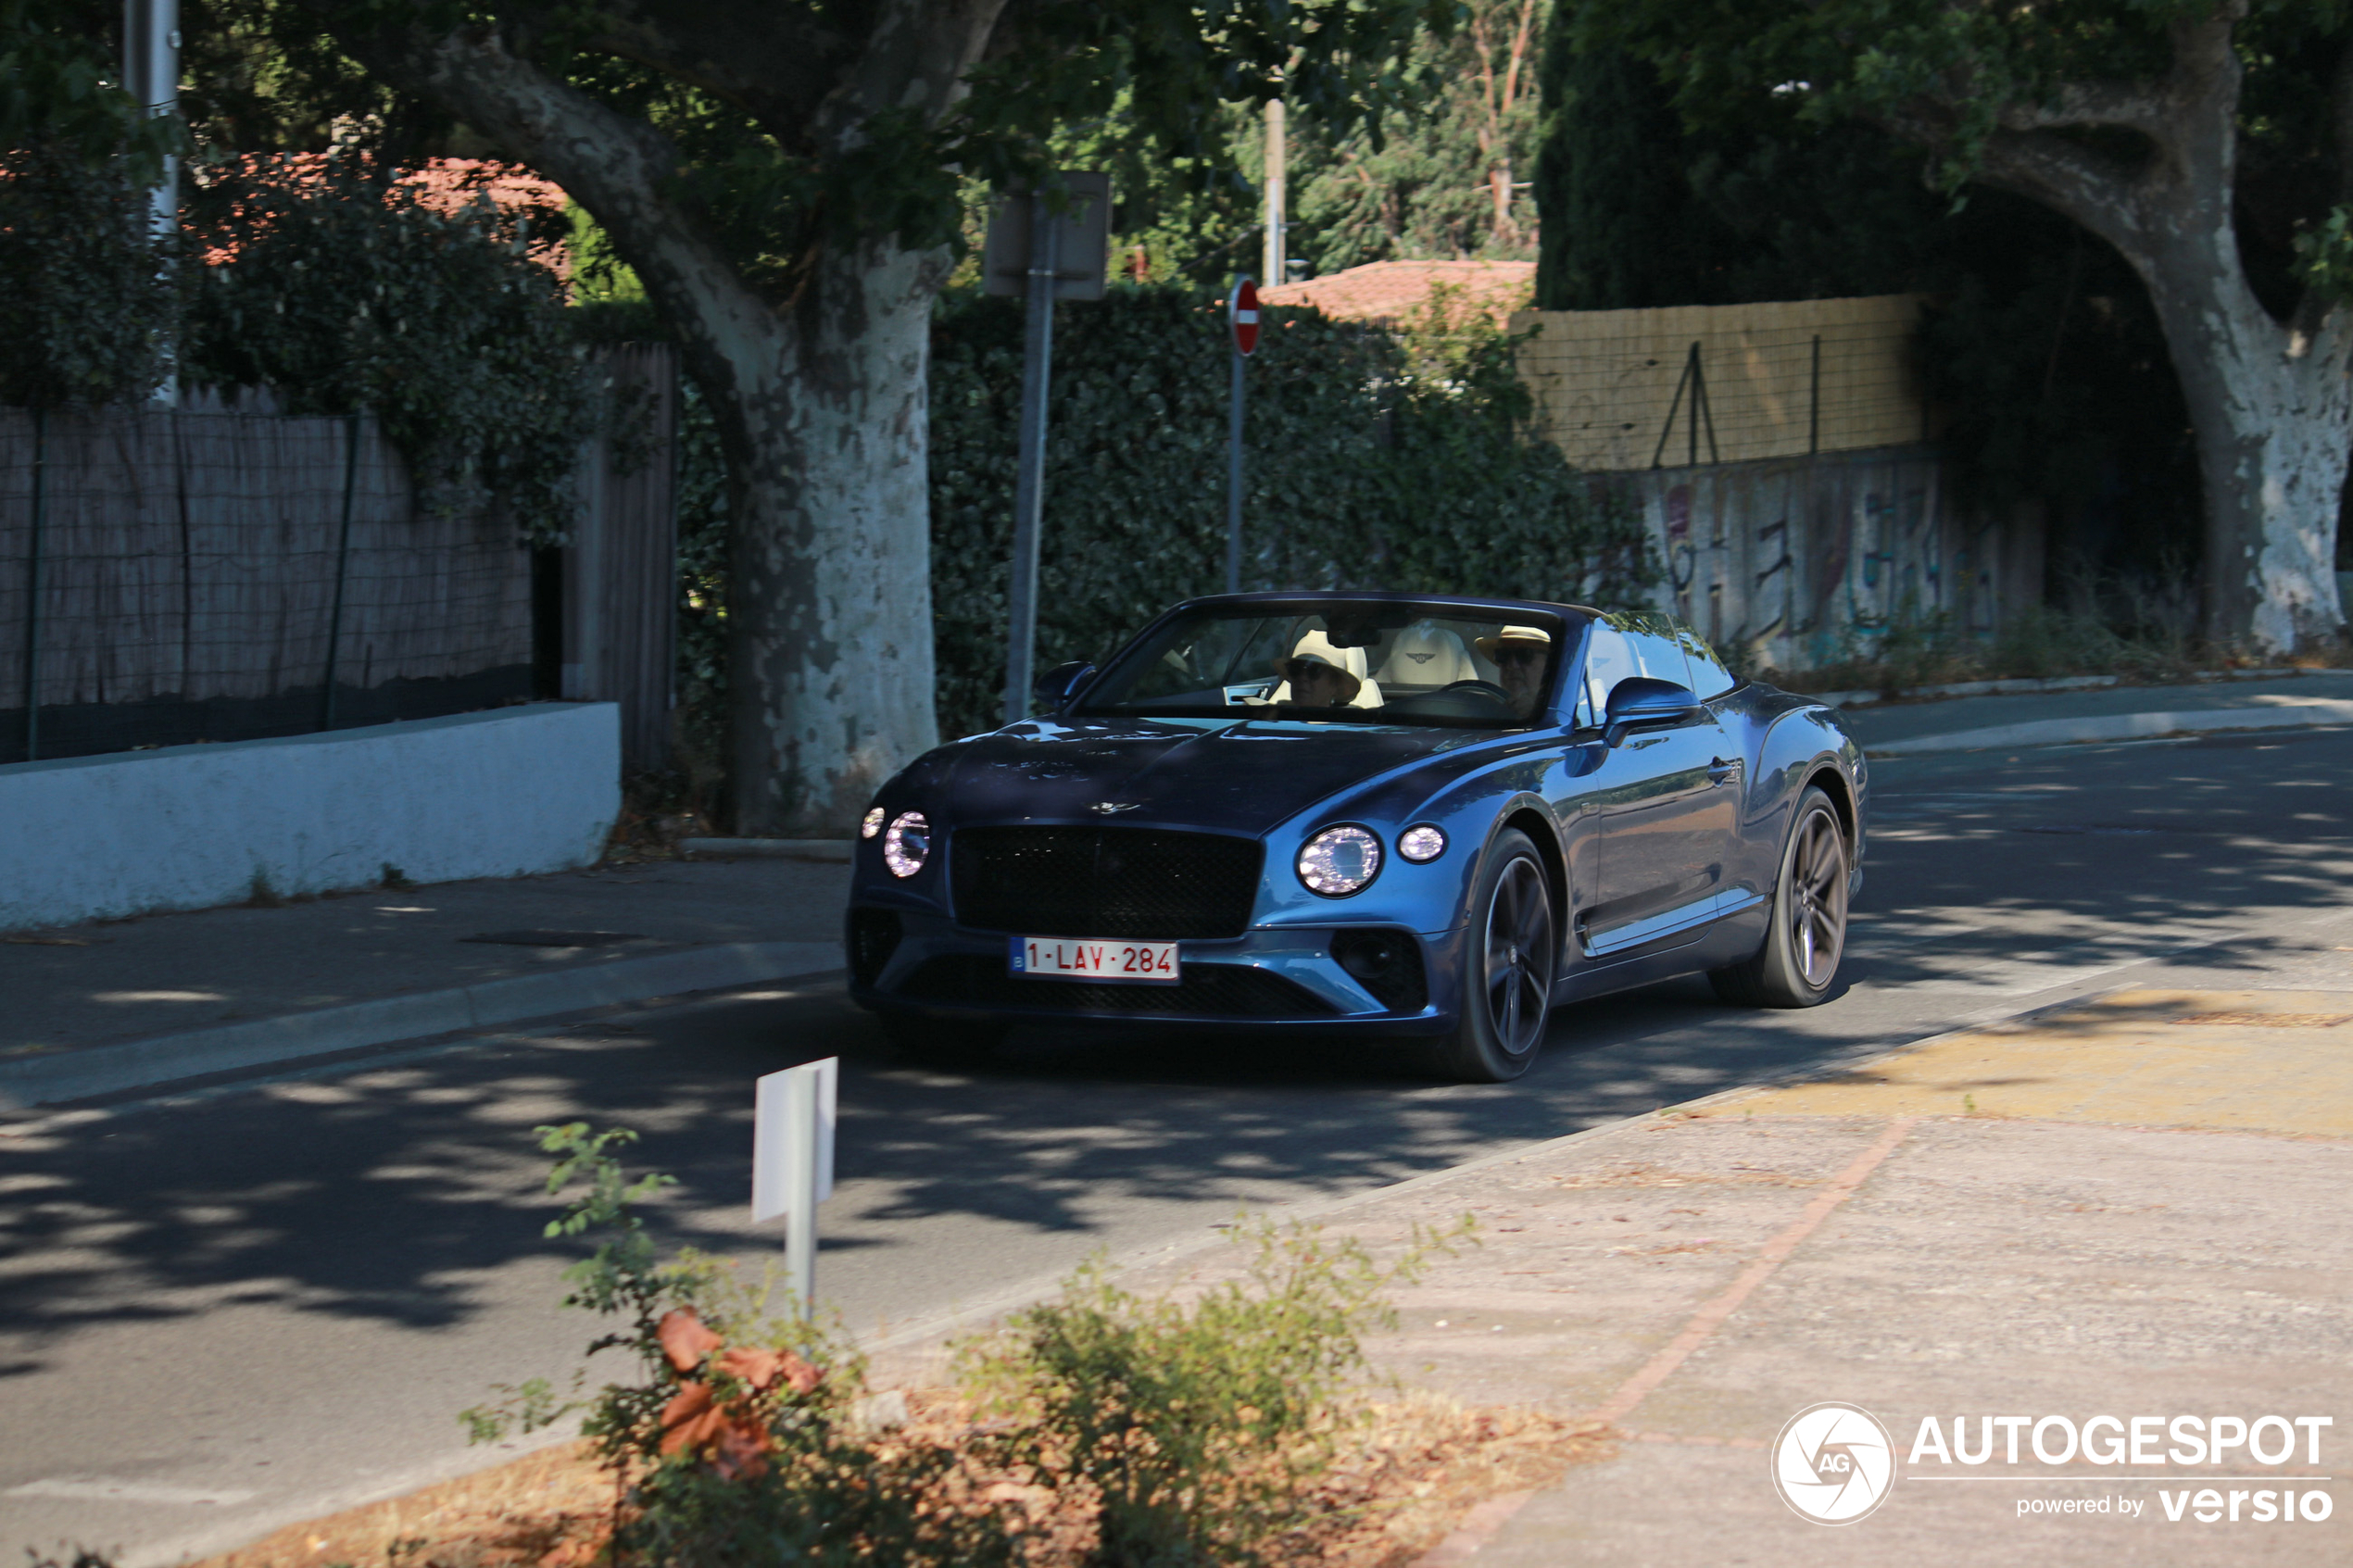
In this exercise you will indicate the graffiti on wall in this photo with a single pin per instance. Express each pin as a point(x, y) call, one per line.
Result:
point(1797, 563)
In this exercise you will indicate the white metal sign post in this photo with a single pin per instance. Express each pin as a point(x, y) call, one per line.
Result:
point(792, 1162)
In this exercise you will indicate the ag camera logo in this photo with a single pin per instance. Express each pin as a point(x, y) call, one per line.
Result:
point(1833, 1463)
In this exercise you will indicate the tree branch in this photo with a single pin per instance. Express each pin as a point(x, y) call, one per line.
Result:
point(618, 167)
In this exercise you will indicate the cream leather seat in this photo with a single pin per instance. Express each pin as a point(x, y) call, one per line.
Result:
point(1425, 657)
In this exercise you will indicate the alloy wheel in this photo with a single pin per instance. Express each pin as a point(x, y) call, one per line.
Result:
point(1520, 957)
point(1816, 908)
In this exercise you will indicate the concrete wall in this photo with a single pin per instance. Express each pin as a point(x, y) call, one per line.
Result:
point(499, 794)
point(1800, 562)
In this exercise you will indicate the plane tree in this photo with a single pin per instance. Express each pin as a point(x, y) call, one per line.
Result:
point(2208, 142)
point(786, 178)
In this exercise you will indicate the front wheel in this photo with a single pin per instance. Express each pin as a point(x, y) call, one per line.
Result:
point(1807, 931)
point(1510, 957)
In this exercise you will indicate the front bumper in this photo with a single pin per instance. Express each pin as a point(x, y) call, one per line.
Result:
point(1279, 978)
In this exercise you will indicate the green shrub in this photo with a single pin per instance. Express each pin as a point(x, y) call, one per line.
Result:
point(86, 314)
point(1194, 1429)
point(734, 1445)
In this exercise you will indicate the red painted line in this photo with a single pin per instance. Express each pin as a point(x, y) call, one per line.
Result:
point(1480, 1526)
point(1709, 1319)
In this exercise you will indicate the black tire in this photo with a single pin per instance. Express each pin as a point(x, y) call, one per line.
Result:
point(933, 1042)
point(1511, 955)
point(1805, 935)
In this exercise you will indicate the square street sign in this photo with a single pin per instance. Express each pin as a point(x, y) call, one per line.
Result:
point(1084, 249)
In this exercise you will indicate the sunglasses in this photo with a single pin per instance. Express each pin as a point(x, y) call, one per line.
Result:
point(1508, 655)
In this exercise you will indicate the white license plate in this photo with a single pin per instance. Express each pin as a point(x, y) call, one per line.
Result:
point(1065, 958)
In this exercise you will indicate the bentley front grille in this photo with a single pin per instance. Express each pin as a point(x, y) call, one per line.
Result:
point(1105, 882)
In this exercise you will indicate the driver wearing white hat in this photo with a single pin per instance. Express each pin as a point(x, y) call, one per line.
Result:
point(1519, 654)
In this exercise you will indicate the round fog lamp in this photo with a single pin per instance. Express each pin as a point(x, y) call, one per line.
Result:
point(1421, 842)
point(871, 824)
point(1339, 860)
point(906, 844)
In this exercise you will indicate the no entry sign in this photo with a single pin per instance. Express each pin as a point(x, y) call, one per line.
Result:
point(1241, 313)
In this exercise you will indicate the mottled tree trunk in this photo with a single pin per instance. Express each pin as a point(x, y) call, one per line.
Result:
point(2269, 401)
point(2274, 422)
point(829, 595)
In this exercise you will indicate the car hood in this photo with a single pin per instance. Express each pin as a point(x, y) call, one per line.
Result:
point(1243, 777)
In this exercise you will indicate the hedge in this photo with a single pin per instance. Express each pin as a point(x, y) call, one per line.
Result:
point(1375, 458)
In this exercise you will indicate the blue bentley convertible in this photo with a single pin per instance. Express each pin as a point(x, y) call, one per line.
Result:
point(1424, 817)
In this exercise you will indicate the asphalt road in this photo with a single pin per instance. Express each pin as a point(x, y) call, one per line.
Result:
point(225, 1311)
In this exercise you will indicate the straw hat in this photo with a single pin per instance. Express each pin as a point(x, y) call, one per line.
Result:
point(1489, 647)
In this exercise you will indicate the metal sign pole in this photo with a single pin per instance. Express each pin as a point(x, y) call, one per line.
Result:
point(792, 1163)
point(1029, 482)
point(1242, 328)
point(1234, 479)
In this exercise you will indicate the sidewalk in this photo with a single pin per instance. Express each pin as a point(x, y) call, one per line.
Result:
point(2130, 1207)
point(97, 1007)
point(1893, 728)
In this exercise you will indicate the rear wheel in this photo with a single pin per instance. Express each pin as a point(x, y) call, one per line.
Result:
point(934, 1042)
point(1807, 933)
point(1511, 955)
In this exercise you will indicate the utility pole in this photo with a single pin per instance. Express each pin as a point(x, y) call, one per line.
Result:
point(1272, 264)
point(151, 74)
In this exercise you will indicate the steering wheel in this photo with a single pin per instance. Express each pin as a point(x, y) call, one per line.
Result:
point(1484, 688)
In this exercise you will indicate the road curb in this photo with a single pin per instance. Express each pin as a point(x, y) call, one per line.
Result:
point(60, 1076)
point(2125, 726)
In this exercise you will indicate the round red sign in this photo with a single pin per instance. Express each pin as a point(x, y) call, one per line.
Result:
point(1242, 314)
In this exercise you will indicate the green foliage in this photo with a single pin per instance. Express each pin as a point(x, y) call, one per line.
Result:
point(1196, 1426)
point(702, 593)
point(88, 306)
point(1371, 463)
point(1622, 229)
point(736, 1444)
point(2325, 254)
point(1422, 180)
point(339, 288)
point(58, 92)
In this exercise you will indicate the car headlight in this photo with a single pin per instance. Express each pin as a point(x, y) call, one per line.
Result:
point(1422, 843)
point(907, 844)
point(871, 824)
point(1339, 860)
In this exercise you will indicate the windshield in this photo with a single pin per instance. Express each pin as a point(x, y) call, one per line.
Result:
point(1341, 662)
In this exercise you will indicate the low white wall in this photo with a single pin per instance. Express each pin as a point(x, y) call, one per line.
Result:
point(500, 794)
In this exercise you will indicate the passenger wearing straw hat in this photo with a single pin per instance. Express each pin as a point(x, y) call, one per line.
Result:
point(1519, 653)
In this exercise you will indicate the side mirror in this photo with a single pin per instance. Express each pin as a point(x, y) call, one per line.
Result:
point(1642, 702)
point(1055, 687)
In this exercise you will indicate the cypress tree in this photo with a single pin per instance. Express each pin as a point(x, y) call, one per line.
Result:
point(1620, 226)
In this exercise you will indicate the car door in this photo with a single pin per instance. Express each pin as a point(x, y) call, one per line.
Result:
point(1666, 799)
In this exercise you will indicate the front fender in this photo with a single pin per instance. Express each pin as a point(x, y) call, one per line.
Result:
point(1796, 746)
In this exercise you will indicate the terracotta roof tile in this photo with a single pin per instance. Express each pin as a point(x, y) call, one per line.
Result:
point(1388, 291)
